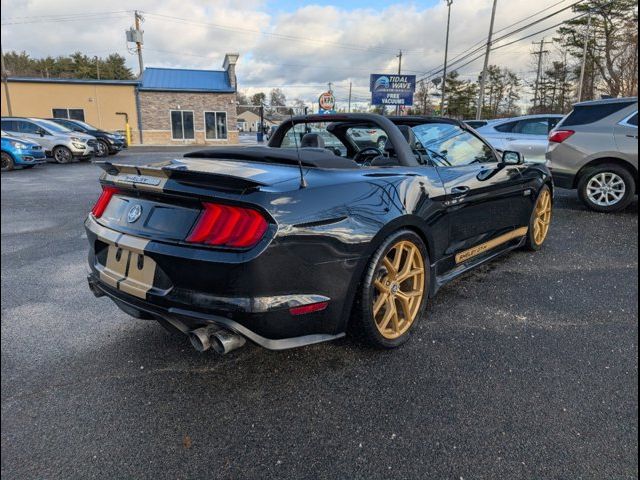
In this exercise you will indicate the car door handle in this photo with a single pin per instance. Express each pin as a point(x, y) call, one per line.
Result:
point(461, 190)
point(633, 136)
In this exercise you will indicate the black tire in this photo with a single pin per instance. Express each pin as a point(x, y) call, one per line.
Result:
point(102, 149)
point(365, 324)
point(27, 167)
point(7, 162)
point(62, 154)
point(531, 243)
point(617, 171)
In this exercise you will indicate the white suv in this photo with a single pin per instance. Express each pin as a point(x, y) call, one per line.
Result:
point(58, 142)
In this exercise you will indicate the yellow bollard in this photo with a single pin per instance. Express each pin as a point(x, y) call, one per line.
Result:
point(127, 130)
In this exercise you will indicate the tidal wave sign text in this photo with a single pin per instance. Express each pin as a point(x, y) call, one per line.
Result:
point(392, 89)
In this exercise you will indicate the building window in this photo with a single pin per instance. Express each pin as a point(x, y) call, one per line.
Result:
point(71, 113)
point(182, 125)
point(215, 125)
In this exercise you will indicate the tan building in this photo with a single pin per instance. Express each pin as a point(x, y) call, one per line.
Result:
point(106, 104)
point(164, 107)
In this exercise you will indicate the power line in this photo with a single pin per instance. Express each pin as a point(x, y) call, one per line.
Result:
point(65, 18)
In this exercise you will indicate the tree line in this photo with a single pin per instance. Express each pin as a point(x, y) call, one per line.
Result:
point(76, 65)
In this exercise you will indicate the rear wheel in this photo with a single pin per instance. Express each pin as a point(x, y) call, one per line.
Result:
point(7, 162)
point(607, 188)
point(394, 290)
point(62, 154)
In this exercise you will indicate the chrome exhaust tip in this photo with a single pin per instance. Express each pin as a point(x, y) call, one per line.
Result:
point(222, 341)
point(225, 341)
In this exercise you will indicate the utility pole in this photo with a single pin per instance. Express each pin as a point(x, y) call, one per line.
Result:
point(138, 19)
point(540, 55)
point(6, 85)
point(330, 85)
point(446, 59)
point(483, 78)
point(350, 85)
point(399, 73)
point(584, 57)
point(97, 67)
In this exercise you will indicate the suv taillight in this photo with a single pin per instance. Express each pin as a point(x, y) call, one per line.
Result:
point(559, 136)
point(103, 200)
point(228, 226)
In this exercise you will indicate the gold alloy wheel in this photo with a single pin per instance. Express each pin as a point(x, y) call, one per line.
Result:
point(543, 217)
point(399, 287)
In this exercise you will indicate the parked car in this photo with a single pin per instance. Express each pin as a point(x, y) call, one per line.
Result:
point(58, 142)
point(362, 240)
point(20, 152)
point(528, 135)
point(595, 150)
point(108, 143)
point(369, 137)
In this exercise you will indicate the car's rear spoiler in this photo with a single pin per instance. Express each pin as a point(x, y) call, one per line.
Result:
point(170, 175)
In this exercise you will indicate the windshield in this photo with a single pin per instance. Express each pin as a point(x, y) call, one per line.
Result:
point(84, 125)
point(53, 126)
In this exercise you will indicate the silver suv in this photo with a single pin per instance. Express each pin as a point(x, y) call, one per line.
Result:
point(594, 149)
point(58, 142)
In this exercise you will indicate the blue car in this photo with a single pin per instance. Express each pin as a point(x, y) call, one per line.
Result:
point(19, 152)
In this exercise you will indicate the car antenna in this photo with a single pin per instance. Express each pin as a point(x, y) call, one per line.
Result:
point(303, 183)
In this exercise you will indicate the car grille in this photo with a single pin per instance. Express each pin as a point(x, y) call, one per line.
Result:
point(92, 143)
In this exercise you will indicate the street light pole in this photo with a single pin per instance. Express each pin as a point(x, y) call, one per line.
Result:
point(446, 58)
point(584, 58)
point(483, 78)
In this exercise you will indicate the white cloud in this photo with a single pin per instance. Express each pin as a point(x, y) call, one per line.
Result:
point(340, 44)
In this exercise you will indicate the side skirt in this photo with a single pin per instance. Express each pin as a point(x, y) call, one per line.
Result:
point(442, 280)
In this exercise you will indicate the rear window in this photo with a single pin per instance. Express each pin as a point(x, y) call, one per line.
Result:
point(506, 127)
point(633, 120)
point(586, 114)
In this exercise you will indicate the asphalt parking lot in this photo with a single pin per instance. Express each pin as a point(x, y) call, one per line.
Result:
point(526, 368)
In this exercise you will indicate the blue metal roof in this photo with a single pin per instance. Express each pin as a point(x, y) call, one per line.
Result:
point(181, 80)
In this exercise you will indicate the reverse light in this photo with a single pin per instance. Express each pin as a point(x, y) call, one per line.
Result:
point(559, 136)
point(304, 309)
point(103, 200)
point(228, 226)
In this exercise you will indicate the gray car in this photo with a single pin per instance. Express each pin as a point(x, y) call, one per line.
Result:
point(58, 142)
point(595, 150)
point(528, 134)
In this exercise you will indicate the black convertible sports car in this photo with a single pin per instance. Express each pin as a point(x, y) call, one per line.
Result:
point(290, 244)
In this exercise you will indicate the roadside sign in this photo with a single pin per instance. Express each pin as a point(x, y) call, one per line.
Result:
point(326, 102)
point(392, 89)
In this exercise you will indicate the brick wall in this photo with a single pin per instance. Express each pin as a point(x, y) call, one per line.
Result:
point(156, 120)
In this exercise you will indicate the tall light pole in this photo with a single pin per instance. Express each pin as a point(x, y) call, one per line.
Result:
point(584, 57)
point(483, 78)
point(446, 58)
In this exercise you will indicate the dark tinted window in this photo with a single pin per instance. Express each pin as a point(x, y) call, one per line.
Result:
point(182, 125)
point(76, 114)
point(633, 120)
point(60, 113)
point(586, 114)
point(533, 126)
point(28, 127)
point(449, 145)
point(9, 126)
point(507, 127)
point(553, 121)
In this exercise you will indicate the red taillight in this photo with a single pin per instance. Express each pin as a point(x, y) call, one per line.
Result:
point(314, 307)
point(104, 199)
point(559, 136)
point(228, 226)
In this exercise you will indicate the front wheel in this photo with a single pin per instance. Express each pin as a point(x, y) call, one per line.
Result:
point(394, 290)
point(102, 149)
point(607, 188)
point(62, 154)
point(7, 162)
point(540, 220)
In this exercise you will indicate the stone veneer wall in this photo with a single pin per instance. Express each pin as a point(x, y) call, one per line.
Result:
point(156, 119)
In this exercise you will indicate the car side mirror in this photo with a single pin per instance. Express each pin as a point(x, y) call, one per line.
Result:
point(41, 132)
point(512, 158)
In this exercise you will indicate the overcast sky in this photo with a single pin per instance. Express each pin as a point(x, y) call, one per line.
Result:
point(297, 46)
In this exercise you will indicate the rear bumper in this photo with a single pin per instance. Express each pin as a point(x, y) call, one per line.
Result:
point(250, 295)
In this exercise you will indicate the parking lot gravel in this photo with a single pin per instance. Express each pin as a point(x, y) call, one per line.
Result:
point(525, 368)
